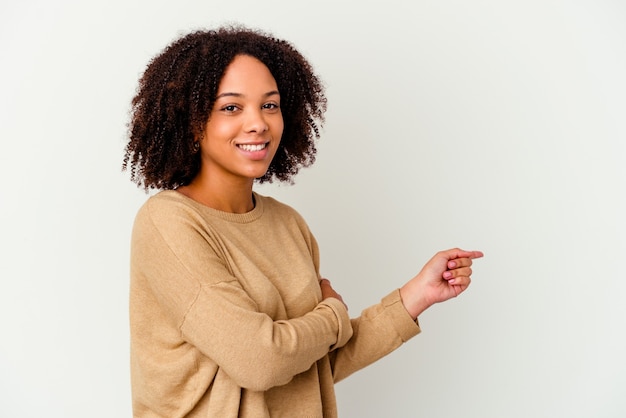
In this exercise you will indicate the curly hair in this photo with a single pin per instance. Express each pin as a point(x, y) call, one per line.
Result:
point(177, 92)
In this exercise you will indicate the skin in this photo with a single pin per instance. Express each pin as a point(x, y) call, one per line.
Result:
point(445, 276)
point(247, 113)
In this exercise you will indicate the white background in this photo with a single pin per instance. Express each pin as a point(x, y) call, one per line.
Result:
point(491, 125)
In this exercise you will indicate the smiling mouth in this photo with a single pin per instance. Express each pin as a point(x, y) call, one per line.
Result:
point(252, 147)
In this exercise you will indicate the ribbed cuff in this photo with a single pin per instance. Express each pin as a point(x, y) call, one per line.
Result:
point(344, 332)
point(405, 326)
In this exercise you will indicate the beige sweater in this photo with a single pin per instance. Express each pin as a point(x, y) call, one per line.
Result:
point(227, 318)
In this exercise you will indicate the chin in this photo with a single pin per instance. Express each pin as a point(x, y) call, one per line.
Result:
point(256, 174)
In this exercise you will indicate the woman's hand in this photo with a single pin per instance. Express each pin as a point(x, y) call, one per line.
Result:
point(329, 292)
point(444, 276)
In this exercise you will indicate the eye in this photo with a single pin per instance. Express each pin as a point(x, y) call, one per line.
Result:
point(230, 108)
point(271, 106)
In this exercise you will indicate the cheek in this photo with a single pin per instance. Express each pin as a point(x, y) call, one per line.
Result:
point(221, 131)
point(278, 126)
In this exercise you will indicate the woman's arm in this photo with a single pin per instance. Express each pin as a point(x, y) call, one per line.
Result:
point(383, 327)
point(181, 273)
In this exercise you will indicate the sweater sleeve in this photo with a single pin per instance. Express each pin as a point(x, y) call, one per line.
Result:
point(379, 330)
point(195, 290)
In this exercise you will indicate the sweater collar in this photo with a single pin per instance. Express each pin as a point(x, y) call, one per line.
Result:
point(242, 218)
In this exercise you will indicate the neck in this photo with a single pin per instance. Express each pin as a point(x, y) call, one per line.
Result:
point(233, 197)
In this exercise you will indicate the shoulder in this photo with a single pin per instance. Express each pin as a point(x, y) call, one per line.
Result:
point(280, 214)
point(280, 209)
point(166, 211)
point(168, 205)
point(272, 205)
point(166, 201)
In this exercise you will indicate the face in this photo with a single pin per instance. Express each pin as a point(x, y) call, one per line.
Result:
point(245, 125)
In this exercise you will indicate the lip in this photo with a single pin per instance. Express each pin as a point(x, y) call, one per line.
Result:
point(254, 154)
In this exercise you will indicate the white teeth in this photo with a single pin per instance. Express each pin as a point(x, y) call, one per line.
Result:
point(250, 148)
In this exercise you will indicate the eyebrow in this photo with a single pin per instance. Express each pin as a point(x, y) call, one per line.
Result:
point(232, 94)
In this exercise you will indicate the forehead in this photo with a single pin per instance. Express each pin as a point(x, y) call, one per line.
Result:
point(246, 73)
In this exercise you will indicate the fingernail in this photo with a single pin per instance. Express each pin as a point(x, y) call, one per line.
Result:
point(451, 264)
point(452, 281)
point(447, 275)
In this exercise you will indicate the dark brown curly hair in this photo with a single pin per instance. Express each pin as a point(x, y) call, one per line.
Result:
point(177, 92)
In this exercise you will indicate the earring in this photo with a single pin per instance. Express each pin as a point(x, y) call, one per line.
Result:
point(196, 146)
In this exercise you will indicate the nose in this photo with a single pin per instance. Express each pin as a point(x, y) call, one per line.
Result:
point(255, 121)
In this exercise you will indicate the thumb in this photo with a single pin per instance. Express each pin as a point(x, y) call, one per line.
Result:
point(459, 253)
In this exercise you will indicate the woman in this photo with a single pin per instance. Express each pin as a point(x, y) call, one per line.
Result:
point(229, 315)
